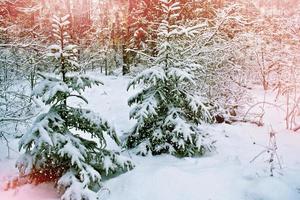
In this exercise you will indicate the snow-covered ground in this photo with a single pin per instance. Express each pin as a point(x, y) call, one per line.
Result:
point(225, 174)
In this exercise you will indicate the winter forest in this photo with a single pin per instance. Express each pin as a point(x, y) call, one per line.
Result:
point(149, 99)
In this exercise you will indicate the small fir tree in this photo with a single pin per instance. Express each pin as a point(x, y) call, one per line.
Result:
point(167, 114)
point(53, 151)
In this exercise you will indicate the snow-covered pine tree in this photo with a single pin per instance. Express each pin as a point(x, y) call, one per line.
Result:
point(167, 114)
point(54, 151)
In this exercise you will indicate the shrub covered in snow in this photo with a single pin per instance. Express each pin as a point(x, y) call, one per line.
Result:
point(53, 151)
point(167, 114)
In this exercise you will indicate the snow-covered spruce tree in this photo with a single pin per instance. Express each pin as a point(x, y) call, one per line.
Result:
point(167, 114)
point(53, 150)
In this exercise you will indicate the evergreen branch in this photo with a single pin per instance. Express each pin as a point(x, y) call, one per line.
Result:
point(78, 96)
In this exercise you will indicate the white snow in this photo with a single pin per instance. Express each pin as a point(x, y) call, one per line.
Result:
point(225, 174)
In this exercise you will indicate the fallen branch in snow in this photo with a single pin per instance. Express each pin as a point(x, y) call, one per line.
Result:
point(258, 123)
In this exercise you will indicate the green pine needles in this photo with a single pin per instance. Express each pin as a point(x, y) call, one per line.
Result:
point(53, 150)
point(167, 115)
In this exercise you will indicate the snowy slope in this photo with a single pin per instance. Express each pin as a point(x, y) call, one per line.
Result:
point(226, 174)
